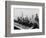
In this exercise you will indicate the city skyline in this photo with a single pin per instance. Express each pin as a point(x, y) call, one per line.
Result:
point(26, 12)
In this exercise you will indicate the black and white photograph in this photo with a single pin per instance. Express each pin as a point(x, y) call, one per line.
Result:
point(26, 18)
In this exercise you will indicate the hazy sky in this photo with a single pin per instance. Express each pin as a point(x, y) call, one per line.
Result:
point(26, 12)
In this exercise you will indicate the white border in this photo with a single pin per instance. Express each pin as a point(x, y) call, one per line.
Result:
point(30, 30)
